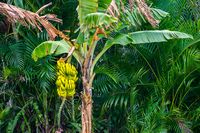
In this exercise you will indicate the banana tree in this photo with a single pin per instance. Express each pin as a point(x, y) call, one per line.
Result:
point(95, 25)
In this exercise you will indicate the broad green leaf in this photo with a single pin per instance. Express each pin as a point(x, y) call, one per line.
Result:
point(98, 19)
point(50, 47)
point(151, 36)
point(123, 39)
point(86, 7)
point(141, 37)
point(156, 36)
point(55, 48)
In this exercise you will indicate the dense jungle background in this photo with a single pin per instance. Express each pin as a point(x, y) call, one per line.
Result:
point(139, 88)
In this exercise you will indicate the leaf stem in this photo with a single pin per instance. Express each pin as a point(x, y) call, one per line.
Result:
point(59, 112)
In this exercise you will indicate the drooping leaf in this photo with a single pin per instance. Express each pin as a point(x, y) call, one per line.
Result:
point(157, 36)
point(86, 7)
point(142, 37)
point(50, 47)
point(54, 48)
point(98, 19)
point(150, 36)
point(122, 39)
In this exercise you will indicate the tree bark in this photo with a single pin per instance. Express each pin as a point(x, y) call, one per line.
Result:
point(86, 117)
point(86, 108)
point(87, 81)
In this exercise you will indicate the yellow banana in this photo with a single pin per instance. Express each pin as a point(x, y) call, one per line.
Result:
point(66, 78)
point(71, 93)
point(74, 86)
point(67, 86)
point(70, 83)
point(63, 79)
point(58, 82)
point(62, 87)
point(66, 68)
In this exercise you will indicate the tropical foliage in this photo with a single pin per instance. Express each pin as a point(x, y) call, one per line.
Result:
point(146, 78)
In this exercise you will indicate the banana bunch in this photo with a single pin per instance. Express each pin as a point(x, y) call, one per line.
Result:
point(66, 79)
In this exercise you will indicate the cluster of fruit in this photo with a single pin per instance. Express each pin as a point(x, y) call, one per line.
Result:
point(66, 79)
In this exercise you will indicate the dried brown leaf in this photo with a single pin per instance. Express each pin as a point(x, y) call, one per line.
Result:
point(28, 18)
point(113, 9)
point(145, 10)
